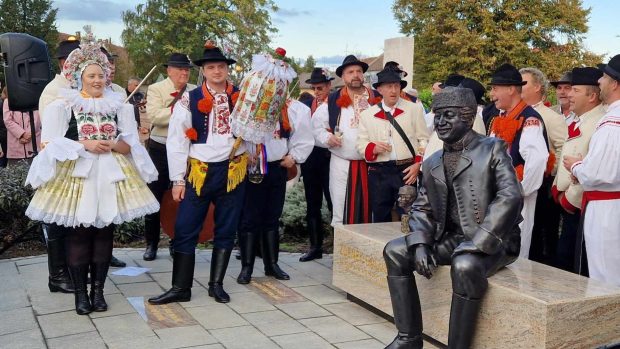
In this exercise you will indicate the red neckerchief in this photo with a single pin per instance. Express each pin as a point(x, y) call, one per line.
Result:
point(344, 101)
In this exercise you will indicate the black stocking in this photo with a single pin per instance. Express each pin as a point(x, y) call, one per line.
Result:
point(79, 246)
point(102, 245)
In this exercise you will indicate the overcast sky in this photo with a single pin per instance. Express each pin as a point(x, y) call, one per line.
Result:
point(326, 29)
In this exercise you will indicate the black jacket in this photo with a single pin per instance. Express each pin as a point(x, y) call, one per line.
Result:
point(488, 194)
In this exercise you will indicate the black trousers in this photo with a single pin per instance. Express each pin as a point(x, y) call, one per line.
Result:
point(546, 230)
point(384, 180)
point(315, 172)
point(565, 255)
point(157, 151)
point(264, 201)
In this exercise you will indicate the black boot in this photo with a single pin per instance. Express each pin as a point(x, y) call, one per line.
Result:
point(315, 231)
point(246, 247)
point(219, 263)
point(182, 280)
point(78, 276)
point(151, 252)
point(59, 279)
point(271, 249)
point(463, 316)
point(171, 248)
point(117, 263)
point(98, 273)
point(407, 313)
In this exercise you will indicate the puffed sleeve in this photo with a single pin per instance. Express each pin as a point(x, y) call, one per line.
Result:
point(177, 144)
point(128, 129)
point(320, 126)
point(534, 151)
point(301, 141)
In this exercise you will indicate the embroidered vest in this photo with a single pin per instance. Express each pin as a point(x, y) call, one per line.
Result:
point(200, 121)
point(334, 110)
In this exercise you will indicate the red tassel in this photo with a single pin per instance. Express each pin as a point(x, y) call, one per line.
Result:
point(192, 134)
point(205, 105)
point(286, 124)
point(550, 163)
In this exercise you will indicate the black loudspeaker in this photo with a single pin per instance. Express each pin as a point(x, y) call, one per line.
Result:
point(27, 69)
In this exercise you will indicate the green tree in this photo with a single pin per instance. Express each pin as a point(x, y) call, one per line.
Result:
point(159, 27)
point(34, 17)
point(309, 64)
point(473, 37)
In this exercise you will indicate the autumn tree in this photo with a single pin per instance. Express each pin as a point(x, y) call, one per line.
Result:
point(157, 28)
point(473, 37)
point(309, 64)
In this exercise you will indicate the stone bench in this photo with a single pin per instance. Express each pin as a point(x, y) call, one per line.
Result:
point(528, 304)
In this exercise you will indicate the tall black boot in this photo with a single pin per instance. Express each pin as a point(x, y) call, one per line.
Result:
point(248, 255)
point(78, 276)
point(463, 316)
point(271, 249)
point(98, 274)
point(315, 231)
point(407, 312)
point(219, 264)
point(182, 280)
point(59, 280)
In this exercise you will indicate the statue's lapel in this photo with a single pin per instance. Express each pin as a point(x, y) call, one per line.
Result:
point(464, 163)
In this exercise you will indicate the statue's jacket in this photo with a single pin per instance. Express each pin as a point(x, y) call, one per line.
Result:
point(488, 196)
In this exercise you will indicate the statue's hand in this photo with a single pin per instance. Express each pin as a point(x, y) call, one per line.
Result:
point(424, 261)
point(465, 247)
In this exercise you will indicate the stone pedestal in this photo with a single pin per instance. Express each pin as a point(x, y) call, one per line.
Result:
point(528, 304)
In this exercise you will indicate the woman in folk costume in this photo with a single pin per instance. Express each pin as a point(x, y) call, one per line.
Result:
point(91, 172)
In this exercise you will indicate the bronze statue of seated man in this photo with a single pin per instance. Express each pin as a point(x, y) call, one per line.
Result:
point(466, 215)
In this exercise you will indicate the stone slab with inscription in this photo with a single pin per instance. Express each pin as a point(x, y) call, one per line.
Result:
point(528, 304)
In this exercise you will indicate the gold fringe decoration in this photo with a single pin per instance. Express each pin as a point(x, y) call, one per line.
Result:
point(197, 174)
point(237, 169)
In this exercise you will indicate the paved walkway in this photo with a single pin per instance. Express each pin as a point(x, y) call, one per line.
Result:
point(304, 312)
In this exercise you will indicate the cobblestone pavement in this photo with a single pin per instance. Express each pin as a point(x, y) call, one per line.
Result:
point(304, 312)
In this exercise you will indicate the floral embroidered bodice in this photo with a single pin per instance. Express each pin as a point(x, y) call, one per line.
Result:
point(95, 125)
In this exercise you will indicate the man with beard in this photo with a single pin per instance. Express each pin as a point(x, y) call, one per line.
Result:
point(599, 174)
point(315, 171)
point(456, 221)
point(335, 126)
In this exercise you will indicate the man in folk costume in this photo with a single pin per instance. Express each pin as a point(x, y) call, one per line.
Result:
point(399, 70)
point(466, 215)
point(315, 171)
point(599, 175)
point(59, 280)
point(390, 135)
point(199, 144)
point(522, 128)
point(547, 215)
point(562, 89)
point(586, 104)
point(335, 125)
point(161, 101)
point(290, 144)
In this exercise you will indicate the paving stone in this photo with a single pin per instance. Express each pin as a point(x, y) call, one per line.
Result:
point(363, 344)
point(334, 329)
point(308, 340)
point(110, 288)
point(216, 316)
point(64, 324)
point(117, 305)
point(90, 340)
point(20, 320)
point(202, 269)
point(122, 279)
point(274, 323)
point(157, 266)
point(8, 268)
point(44, 302)
point(230, 284)
point(35, 268)
point(180, 337)
point(249, 303)
point(137, 342)
point(245, 337)
point(11, 280)
point(303, 310)
point(122, 328)
point(321, 294)
point(200, 297)
point(32, 260)
point(163, 279)
point(300, 280)
point(315, 271)
point(13, 298)
point(327, 261)
point(209, 346)
point(384, 332)
point(143, 289)
point(31, 339)
point(353, 314)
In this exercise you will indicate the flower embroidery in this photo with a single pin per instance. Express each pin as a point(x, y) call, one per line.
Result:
point(88, 130)
point(108, 129)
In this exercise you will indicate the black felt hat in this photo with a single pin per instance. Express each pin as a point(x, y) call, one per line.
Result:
point(178, 60)
point(395, 66)
point(566, 78)
point(351, 60)
point(319, 75)
point(212, 53)
point(476, 87)
point(612, 68)
point(586, 76)
point(389, 75)
point(67, 46)
point(452, 80)
point(507, 75)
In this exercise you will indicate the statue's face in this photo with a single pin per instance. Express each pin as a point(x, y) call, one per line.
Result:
point(451, 124)
point(405, 200)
